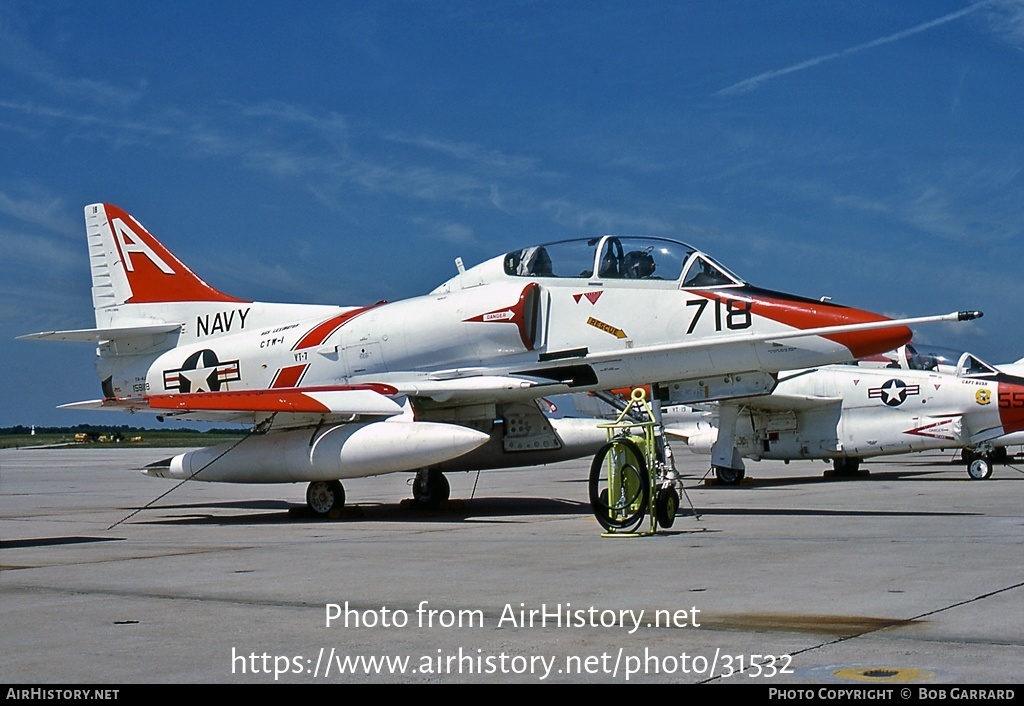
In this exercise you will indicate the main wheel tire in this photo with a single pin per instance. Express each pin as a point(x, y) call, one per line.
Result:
point(980, 468)
point(665, 506)
point(729, 476)
point(324, 496)
point(431, 488)
point(619, 485)
point(847, 466)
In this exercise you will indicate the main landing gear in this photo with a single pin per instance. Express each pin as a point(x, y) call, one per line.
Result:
point(430, 488)
point(847, 467)
point(325, 498)
point(726, 462)
point(729, 476)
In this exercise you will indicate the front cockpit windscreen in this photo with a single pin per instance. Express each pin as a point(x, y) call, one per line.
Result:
point(702, 271)
point(620, 258)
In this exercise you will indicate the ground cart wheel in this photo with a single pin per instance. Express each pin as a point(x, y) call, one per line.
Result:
point(619, 485)
point(666, 505)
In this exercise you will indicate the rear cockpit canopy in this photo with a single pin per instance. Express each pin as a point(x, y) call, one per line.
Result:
point(612, 257)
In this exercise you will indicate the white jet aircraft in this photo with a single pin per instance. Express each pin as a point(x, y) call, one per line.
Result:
point(912, 400)
point(449, 380)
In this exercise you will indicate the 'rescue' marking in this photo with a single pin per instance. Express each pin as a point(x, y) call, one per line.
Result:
point(607, 328)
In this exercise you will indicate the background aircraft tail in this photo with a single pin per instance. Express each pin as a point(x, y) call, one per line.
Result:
point(130, 266)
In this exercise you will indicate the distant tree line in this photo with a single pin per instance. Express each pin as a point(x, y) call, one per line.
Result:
point(107, 429)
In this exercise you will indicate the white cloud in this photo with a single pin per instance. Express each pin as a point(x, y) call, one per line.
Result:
point(755, 81)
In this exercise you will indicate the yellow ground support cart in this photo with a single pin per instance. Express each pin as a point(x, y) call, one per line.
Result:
point(632, 475)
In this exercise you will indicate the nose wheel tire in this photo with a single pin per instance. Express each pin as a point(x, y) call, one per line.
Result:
point(665, 506)
point(619, 485)
point(325, 496)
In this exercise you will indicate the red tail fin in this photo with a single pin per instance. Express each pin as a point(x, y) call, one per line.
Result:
point(130, 266)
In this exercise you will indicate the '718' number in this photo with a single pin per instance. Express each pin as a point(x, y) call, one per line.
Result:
point(736, 313)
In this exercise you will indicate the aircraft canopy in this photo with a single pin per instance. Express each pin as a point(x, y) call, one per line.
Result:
point(614, 257)
point(915, 356)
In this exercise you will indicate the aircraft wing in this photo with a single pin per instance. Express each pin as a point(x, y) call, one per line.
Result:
point(749, 339)
point(575, 367)
point(288, 406)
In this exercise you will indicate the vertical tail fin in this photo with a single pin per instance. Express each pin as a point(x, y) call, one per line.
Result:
point(130, 266)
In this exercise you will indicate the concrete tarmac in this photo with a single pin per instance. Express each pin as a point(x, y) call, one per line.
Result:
point(910, 576)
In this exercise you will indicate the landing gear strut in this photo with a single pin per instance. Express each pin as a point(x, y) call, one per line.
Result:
point(325, 498)
point(430, 488)
point(726, 462)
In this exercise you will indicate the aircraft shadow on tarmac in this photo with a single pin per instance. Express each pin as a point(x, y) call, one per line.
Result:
point(771, 480)
point(916, 471)
point(486, 509)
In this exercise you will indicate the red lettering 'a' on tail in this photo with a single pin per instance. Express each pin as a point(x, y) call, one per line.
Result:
point(130, 266)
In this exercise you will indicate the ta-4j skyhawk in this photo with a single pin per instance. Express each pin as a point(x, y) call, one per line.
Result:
point(447, 381)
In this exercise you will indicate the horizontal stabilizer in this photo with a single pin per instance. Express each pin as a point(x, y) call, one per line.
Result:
point(95, 335)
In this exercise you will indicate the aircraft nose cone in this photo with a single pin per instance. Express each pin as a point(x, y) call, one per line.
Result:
point(1010, 397)
point(802, 313)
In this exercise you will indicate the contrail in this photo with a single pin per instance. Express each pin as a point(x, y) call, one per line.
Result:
point(752, 83)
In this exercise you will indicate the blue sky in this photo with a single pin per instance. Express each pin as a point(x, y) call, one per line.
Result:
point(348, 152)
